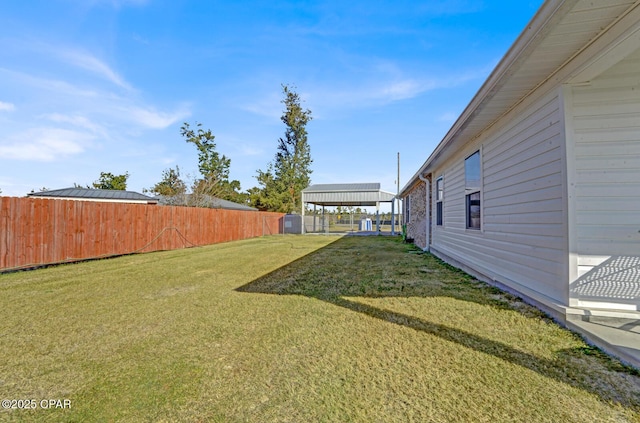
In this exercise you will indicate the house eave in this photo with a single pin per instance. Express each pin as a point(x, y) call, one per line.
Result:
point(513, 80)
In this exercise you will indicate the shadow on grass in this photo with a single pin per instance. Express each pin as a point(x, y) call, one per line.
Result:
point(383, 267)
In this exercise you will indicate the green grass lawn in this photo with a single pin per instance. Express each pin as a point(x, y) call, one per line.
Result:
point(293, 329)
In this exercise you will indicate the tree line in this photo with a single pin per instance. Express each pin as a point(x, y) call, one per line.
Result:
point(279, 185)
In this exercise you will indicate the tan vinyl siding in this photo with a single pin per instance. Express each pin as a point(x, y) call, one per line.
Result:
point(522, 232)
point(607, 149)
point(606, 125)
point(454, 216)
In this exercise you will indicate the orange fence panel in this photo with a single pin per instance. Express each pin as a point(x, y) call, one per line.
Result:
point(39, 231)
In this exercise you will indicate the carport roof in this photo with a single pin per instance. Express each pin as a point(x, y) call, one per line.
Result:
point(358, 194)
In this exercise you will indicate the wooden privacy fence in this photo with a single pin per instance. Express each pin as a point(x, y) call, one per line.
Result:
point(35, 232)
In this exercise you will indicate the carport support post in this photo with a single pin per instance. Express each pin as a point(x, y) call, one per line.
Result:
point(302, 212)
point(378, 216)
point(351, 214)
point(325, 227)
point(393, 217)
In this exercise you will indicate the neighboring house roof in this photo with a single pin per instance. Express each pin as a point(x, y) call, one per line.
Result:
point(560, 32)
point(95, 195)
point(219, 203)
point(359, 194)
point(205, 201)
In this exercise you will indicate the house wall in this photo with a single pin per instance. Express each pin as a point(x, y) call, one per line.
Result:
point(605, 128)
point(522, 243)
point(416, 225)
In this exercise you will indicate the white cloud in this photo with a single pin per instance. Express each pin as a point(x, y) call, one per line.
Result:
point(268, 106)
point(379, 82)
point(167, 160)
point(385, 89)
point(42, 53)
point(98, 103)
point(371, 94)
point(121, 3)
point(154, 119)
point(401, 90)
point(44, 144)
point(54, 85)
point(247, 150)
point(7, 107)
point(75, 120)
point(447, 117)
point(116, 4)
point(91, 63)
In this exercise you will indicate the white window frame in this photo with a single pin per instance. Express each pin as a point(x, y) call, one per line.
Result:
point(440, 201)
point(475, 190)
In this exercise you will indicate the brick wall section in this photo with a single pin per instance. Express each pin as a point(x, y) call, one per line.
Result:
point(416, 226)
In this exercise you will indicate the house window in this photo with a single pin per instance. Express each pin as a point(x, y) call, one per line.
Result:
point(439, 198)
point(472, 190)
point(407, 209)
point(473, 211)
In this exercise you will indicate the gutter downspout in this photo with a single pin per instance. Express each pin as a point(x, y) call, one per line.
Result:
point(428, 216)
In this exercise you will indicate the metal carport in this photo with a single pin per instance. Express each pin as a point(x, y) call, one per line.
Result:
point(361, 194)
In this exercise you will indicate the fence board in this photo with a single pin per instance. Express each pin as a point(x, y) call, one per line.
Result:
point(35, 232)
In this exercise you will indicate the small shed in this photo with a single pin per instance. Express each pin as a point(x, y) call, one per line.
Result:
point(349, 195)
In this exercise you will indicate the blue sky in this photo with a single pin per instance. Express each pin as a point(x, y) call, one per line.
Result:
point(104, 85)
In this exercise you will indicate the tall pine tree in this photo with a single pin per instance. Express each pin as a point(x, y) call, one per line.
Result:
point(289, 173)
